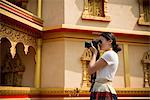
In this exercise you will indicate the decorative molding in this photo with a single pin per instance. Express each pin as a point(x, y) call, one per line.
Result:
point(9, 22)
point(132, 92)
point(144, 18)
point(85, 59)
point(67, 92)
point(126, 65)
point(102, 13)
point(80, 28)
point(21, 15)
point(39, 12)
point(37, 78)
point(15, 37)
point(146, 69)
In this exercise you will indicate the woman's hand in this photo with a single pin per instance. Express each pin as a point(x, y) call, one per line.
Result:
point(93, 49)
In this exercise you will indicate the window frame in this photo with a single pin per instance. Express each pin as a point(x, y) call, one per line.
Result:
point(87, 16)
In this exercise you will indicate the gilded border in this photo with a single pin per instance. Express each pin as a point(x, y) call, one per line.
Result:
point(68, 92)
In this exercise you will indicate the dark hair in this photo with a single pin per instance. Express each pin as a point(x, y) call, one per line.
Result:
point(110, 36)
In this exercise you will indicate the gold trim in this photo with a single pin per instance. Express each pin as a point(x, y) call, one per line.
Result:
point(146, 65)
point(97, 29)
point(126, 66)
point(86, 14)
point(133, 91)
point(15, 36)
point(85, 59)
point(20, 15)
point(141, 20)
point(39, 12)
point(37, 81)
point(4, 12)
point(66, 92)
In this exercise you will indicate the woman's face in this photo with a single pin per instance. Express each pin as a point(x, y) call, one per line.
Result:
point(106, 44)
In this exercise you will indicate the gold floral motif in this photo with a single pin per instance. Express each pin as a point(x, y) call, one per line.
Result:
point(146, 68)
point(16, 36)
point(96, 10)
point(85, 58)
point(66, 92)
point(144, 18)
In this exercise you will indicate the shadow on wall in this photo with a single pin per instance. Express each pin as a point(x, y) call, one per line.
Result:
point(13, 71)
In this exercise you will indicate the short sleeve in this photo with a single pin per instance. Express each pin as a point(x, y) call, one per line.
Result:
point(108, 57)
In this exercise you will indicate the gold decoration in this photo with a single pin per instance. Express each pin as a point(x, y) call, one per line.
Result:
point(126, 65)
point(15, 37)
point(85, 59)
point(67, 92)
point(146, 68)
point(37, 80)
point(39, 11)
point(96, 10)
point(144, 12)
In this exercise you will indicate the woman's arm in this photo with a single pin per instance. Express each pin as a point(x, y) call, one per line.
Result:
point(95, 65)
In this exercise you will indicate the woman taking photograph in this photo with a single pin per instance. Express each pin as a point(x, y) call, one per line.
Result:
point(105, 67)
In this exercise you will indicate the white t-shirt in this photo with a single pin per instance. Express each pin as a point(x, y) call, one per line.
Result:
point(109, 71)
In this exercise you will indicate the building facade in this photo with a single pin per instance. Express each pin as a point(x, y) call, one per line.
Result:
point(43, 54)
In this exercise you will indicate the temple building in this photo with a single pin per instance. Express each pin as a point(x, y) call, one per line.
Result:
point(43, 54)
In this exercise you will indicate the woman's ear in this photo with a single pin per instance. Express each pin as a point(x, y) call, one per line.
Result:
point(110, 41)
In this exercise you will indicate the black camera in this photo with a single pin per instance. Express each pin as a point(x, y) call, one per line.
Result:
point(94, 42)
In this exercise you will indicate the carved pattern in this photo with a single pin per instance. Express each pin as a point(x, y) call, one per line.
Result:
point(144, 12)
point(146, 68)
point(96, 10)
point(57, 92)
point(85, 58)
point(16, 36)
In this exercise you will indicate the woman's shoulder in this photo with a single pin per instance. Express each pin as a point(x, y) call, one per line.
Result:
point(110, 52)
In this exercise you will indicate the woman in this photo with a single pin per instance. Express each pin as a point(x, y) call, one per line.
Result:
point(105, 67)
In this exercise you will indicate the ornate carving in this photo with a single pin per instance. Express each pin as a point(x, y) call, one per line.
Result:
point(15, 37)
point(74, 92)
point(85, 58)
point(146, 68)
point(144, 12)
point(96, 10)
point(65, 92)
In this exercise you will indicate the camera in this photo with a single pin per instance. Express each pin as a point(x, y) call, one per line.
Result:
point(94, 42)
